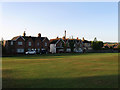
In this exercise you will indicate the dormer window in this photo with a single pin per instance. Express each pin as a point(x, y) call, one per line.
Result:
point(29, 43)
point(45, 44)
point(19, 43)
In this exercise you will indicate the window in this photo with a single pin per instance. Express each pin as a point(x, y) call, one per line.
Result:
point(37, 43)
point(68, 45)
point(74, 45)
point(11, 42)
point(60, 44)
point(20, 50)
point(19, 43)
point(29, 43)
point(38, 50)
point(29, 49)
point(45, 44)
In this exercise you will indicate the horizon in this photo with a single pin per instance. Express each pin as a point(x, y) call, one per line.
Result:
point(80, 19)
point(67, 37)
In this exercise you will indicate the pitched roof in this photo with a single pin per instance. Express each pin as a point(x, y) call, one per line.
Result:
point(106, 45)
point(86, 41)
point(42, 38)
point(27, 37)
point(53, 41)
point(14, 38)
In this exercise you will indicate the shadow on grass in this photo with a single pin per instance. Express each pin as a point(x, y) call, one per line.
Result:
point(110, 81)
point(49, 55)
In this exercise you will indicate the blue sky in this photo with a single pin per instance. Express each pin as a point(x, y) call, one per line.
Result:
point(79, 19)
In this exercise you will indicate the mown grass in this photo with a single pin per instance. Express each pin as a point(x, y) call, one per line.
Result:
point(90, 70)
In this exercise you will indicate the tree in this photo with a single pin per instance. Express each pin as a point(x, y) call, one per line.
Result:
point(111, 47)
point(3, 47)
point(71, 45)
point(97, 45)
point(95, 39)
point(118, 47)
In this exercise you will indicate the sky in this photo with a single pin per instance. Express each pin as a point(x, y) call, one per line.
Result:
point(51, 19)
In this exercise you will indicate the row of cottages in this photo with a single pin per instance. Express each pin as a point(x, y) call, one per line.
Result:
point(57, 45)
point(21, 44)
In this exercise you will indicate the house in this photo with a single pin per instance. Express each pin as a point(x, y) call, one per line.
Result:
point(86, 44)
point(56, 45)
point(21, 44)
point(59, 45)
point(115, 46)
point(106, 46)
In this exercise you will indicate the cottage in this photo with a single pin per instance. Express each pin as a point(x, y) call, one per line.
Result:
point(64, 45)
point(56, 45)
point(86, 44)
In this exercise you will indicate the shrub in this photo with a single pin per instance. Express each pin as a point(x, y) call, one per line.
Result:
point(97, 45)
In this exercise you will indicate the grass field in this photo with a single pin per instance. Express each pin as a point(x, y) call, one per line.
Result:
point(89, 70)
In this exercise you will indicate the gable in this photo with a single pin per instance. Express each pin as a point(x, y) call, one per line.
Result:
point(44, 39)
point(17, 37)
point(20, 37)
point(60, 41)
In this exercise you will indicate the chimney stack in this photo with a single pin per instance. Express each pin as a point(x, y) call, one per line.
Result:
point(24, 34)
point(65, 34)
point(77, 38)
point(83, 39)
point(57, 37)
point(39, 34)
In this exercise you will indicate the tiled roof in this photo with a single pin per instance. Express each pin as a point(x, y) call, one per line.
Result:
point(14, 38)
point(42, 38)
point(86, 41)
point(53, 41)
point(106, 45)
point(27, 37)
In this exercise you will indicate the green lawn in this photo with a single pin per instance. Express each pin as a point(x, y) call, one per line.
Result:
point(89, 70)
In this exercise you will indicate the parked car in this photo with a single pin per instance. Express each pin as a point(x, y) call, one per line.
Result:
point(30, 52)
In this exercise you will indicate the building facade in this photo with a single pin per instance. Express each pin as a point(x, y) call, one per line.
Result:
point(21, 44)
point(59, 45)
point(64, 44)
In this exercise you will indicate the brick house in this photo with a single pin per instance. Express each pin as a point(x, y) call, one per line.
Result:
point(21, 44)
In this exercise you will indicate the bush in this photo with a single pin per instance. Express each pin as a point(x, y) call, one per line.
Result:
point(97, 45)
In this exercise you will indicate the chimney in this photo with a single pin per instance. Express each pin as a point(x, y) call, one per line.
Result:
point(39, 34)
point(65, 34)
point(63, 37)
point(24, 34)
point(83, 39)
